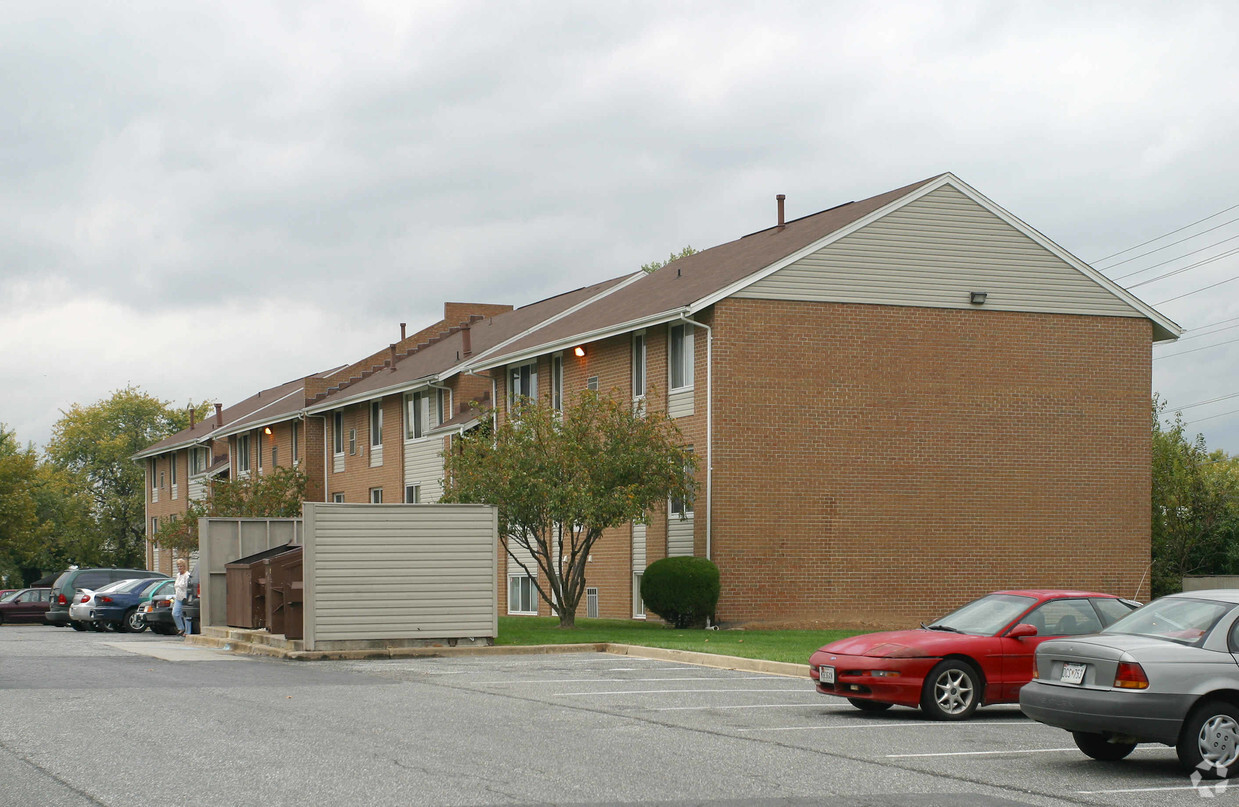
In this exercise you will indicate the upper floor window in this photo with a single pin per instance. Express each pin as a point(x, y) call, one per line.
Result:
point(275, 456)
point(638, 364)
point(173, 468)
point(154, 478)
point(680, 507)
point(414, 415)
point(442, 406)
point(680, 356)
point(337, 432)
point(376, 423)
point(197, 460)
point(243, 452)
point(161, 477)
point(557, 382)
point(522, 382)
point(258, 442)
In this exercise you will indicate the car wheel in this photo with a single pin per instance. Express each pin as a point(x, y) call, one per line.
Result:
point(97, 627)
point(869, 706)
point(1, 619)
point(134, 622)
point(952, 691)
point(1210, 739)
point(77, 625)
point(1097, 747)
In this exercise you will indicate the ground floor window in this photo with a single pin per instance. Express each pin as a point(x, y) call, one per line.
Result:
point(376, 495)
point(638, 604)
point(412, 494)
point(337, 497)
point(591, 603)
point(522, 595)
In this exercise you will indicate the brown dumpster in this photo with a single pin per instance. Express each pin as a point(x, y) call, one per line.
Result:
point(284, 594)
point(245, 589)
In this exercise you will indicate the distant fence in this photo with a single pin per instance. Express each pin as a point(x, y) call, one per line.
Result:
point(1205, 582)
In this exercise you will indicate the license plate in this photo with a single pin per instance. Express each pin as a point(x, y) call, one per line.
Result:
point(1073, 673)
point(826, 675)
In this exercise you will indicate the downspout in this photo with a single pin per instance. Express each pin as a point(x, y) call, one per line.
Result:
point(709, 429)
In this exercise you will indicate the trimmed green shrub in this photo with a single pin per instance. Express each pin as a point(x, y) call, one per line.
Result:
point(683, 591)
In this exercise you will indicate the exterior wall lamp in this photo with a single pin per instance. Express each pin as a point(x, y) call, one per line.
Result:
point(977, 297)
point(267, 431)
point(579, 351)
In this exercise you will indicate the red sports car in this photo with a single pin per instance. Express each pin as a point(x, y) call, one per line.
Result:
point(981, 654)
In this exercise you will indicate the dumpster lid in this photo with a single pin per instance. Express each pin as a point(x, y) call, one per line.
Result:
point(263, 555)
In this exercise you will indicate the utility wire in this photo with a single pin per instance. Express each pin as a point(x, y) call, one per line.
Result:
point(1164, 235)
point(1196, 349)
point(1197, 291)
point(1181, 270)
point(1211, 417)
point(1197, 336)
point(1202, 403)
point(1175, 243)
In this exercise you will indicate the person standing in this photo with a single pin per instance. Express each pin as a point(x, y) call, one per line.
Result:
point(180, 594)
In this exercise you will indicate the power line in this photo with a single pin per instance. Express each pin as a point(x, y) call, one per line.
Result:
point(1164, 235)
point(1202, 403)
point(1177, 257)
point(1211, 417)
point(1183, 269)
point(1182, 339)
point(1172, 244)
point(1197, 291)
point(1195, 349)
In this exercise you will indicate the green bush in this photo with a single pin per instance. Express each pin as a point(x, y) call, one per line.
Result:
point(683, 591)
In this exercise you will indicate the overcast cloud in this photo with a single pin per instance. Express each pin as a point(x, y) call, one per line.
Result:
point(205, 200)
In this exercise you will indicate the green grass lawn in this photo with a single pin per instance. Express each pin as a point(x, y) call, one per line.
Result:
point(774, 645)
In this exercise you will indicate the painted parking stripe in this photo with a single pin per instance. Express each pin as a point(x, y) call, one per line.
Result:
point(750, 706)
point(984, 753)
point(520, 681)
point(1144, 790)
point(922, 724)
point(596, 692)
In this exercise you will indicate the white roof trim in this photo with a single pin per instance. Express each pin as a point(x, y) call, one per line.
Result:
point(328, 404)
point(1158, 319)
point(231, 429)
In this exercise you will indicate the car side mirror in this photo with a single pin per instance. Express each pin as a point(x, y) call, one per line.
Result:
point(1021, 630)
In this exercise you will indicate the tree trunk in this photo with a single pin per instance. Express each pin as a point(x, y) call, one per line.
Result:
point(567, 618)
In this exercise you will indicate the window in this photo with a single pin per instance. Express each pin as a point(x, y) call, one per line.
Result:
point(275, 456)
point(441, 407)
point(557, 382)
point(376, 423)
point(296, 434)
point(197, 461)
point(154, 525)
point(638, 364)
point(680, 507)
point(638, 604)
point(376, 495)
point(591, 603)
point(173, 464)
point(154, 478)
point(680, 356)
point(522, 382)
point(337, 497)
point(243, 452)
point(1064, 618)
point(522, 595)
point(413, 494)
point(337, 429)
point(258, 442)
point(591, 383)
point(161, 476)
point(352, 441)
point(414, 406)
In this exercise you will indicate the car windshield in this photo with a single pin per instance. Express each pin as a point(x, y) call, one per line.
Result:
point(136, 586)
point(110, 587)
point(1177, 619)
point(984, 617)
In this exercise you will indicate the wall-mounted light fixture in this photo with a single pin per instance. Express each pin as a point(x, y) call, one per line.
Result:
point(267, 431)
point(977, 297)
point(579, 351)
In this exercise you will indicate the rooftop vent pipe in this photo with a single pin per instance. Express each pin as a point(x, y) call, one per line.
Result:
point(779, 198)
point(219, 415)
point(402, 330)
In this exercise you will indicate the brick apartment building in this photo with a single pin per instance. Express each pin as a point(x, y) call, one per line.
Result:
point(899, 403)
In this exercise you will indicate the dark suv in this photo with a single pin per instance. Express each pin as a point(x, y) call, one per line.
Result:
point(71, 582)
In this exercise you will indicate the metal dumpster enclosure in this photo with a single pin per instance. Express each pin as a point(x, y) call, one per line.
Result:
point(399, 572)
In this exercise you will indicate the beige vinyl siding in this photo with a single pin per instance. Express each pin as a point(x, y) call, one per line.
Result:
point(933, 252)
point(680, 404)
point(679, 537)
point(198, 487)
point(638, 547)
point(400, 571)
point(423, 465)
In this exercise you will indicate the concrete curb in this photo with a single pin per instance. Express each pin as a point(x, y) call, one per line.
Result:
point(636, 651)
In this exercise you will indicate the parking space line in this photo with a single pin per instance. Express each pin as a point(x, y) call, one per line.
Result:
point(1138, 790)
point(982, 753)
point(921, 724)
point(719, 708)
point(672, 691)
point(626, 680)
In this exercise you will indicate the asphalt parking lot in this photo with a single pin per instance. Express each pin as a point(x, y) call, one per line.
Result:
point(115, 719)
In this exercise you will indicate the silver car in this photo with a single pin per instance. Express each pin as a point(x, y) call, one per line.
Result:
point(1166, 673)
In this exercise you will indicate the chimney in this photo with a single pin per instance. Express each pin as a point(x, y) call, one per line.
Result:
point(466, 340)
point(193, 416)
point(402, 326)
point(391, 359)
point(219, 415)
point(779, 198)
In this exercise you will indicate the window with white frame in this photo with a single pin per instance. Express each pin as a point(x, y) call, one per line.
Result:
point(161, 479)
point(376, 495)
point(638, 364)
point(338, 498)
point(680, 356)
point(638, 604)
point(680, 507)
point(153, 475)
point(522, 382)
point(376, 423)
point(352, 441)
point(197, 461)
point(275, 456)
point(414, 415)
point(173, 465)
point(442, 405)
point(557, 382)
point(337, 432)
point(258, 442)
point(295, 439)
point(154, 525)
point(522, 594)
point(412, 494)
point(243, 452)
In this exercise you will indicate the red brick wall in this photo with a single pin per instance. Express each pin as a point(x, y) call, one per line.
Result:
point(877, 465)
point(357, 478)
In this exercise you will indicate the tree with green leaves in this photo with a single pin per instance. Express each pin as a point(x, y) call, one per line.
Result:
point(95, 444)
point(654, 266)
point(560, 479)
point(277, 494)
point(21, 532)
point(1194, 498)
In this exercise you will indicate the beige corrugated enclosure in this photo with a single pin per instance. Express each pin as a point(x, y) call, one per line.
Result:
point(392, 574)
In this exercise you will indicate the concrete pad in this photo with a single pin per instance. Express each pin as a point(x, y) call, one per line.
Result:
point(173, 651)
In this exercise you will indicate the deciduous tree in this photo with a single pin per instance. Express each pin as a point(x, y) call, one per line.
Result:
point(276, 494)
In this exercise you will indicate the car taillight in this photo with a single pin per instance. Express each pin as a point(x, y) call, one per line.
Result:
point(1130, 676)
point(85, 597)
point(105, 599)
point(60, 600)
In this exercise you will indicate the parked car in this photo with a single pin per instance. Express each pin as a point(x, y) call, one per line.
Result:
point(25, 605)
point(157, 614)
point(117, 607)
point(1165, 674)
point(5, 592)
point(69, 582)
point(981, 654)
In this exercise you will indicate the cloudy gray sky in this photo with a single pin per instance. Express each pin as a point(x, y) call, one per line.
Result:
point(208, 199)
